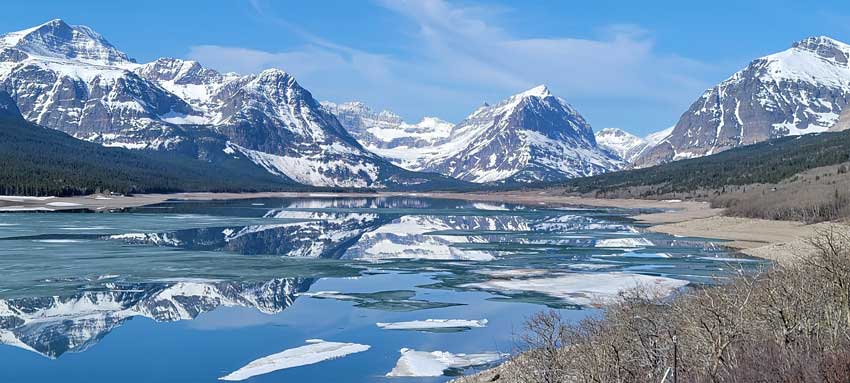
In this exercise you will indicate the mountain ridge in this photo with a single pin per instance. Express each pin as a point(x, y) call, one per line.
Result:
point(72, 79)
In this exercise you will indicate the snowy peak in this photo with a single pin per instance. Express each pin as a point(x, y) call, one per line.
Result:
point(825, 47)
point(178, 72)
point(57, 39)
point(620, 142)
point(628, 146)
point(798, 91)
point(529, 137)
point(540, 91)
point(359, 110)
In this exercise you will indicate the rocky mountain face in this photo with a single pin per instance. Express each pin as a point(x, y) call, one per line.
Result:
point(529, 137)
point(71, 79)
point(798, 91)
point(532, 136)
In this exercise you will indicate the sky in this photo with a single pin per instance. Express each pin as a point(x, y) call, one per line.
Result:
point(623, 64)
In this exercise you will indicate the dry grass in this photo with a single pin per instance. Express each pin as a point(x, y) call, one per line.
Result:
point(821, 194)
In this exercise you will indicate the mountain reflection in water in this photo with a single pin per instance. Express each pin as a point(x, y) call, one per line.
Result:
point(384, 228)
point(52, 326)
point(76, 277)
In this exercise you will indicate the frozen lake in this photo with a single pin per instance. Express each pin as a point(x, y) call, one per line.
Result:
point(197, 291)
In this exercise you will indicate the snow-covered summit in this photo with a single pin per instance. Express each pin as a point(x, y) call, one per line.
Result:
point(528, 137)
point(57, 39)
point(628, 146)
point(797, 91)
point(540, 91)
point(620, 142)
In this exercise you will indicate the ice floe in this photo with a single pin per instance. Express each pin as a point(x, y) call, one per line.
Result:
point(633, 254)
point(24, 208)
point(590, 266)
point(433, 324)
point(435, 363)
point(728, 259)
point(508, 273)
point(488, 206)
point(15, 198)
point(315, 351)
point(624, 242)
point(63, 204)
point(583, 289)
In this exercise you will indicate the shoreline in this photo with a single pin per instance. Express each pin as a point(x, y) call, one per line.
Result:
point(767, 239)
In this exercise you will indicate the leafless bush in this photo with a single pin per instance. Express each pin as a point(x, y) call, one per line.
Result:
point(790, 323)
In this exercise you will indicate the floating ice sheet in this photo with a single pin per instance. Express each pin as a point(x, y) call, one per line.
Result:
point(624, 242)
point(315, 351)
point(435, 363)
point(433, 324)
point(583, 289)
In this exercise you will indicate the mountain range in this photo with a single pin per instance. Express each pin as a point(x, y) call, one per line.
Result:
point(531, 136)
point(70, 78)
point(802, 90)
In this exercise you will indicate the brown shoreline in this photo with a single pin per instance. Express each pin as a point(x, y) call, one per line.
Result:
point(774, 240)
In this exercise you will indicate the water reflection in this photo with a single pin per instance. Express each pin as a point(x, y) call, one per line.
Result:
point(389, 228)
point(52, 326)
point(57, 302)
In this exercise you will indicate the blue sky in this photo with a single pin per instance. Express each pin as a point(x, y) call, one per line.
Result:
point(632, 65)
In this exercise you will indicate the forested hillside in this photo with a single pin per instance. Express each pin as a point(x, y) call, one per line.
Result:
point(762, 163)
point(39, 161)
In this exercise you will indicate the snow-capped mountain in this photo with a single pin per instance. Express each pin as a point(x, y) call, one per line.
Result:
point(620, 142)
point(531, 136)
point(797, 91)
point(385, 133)
point(72, 79)
point(627, 146)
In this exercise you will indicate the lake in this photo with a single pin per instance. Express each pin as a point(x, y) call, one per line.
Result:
point(194, 291)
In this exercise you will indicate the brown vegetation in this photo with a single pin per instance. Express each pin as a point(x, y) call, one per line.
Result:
point(821, 194)
point(790, 323)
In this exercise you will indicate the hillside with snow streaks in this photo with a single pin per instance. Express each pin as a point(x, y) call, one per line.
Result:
point(72, 79)
point(529, 137)
point(797, 91)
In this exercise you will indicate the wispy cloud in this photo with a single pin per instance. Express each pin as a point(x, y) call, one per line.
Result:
point(463, 56)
